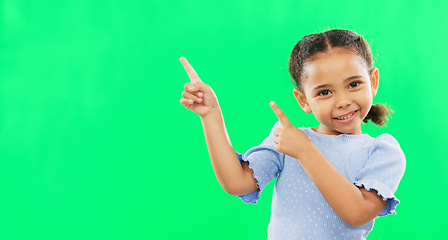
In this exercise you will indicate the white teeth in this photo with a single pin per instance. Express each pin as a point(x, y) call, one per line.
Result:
point(342, 118)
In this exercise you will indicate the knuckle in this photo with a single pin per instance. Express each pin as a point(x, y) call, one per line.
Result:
point(203, 85)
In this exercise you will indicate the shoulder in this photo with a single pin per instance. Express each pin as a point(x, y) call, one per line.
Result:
point(276, 125)
point(386, 141)
point(269, 141)
point(387, 145)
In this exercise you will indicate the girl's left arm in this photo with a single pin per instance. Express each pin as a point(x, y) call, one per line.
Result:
point(356, 206)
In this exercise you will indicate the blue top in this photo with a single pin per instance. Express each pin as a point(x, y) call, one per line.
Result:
point(299, 211)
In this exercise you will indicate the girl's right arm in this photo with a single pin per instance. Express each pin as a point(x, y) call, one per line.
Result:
point(234, 178)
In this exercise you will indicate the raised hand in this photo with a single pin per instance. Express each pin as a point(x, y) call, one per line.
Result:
point(197, 97)
point(288, 139)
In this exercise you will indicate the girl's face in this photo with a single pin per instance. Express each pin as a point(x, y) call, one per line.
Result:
point(338, 88)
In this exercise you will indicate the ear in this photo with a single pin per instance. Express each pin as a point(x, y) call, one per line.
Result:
point(301, 99)
point(374, 77)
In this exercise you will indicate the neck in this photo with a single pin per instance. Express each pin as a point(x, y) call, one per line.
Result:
point(329, 131)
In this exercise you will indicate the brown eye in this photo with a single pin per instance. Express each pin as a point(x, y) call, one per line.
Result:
point(354, 84)
point(324, 93)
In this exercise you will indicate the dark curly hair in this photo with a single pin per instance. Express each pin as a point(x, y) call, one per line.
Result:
point(312, 44)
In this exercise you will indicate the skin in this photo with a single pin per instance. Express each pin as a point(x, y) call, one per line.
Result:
point(234, 178)
point(337, 83)
point(356, 206)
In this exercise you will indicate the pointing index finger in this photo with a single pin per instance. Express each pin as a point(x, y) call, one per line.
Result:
point(281, 116)
point(190, 71)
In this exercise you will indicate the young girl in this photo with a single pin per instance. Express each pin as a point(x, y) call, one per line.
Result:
point(332, 180)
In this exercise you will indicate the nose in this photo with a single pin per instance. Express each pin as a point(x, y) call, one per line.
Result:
point(343, 102)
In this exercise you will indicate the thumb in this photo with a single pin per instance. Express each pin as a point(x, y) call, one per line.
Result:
point(200, 86)
point(281, 116)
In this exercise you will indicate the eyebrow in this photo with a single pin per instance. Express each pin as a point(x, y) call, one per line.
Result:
point(328, 85)
point(321, 86)
point(353, 77)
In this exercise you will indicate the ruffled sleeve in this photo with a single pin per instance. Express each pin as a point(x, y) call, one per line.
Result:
point(265, 162)
point(383, 171)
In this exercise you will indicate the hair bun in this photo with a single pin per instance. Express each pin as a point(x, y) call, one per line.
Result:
point(378, 114)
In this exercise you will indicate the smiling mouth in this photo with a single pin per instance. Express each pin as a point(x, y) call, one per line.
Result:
point(346, 116)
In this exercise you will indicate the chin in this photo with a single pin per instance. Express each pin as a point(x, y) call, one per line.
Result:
point(352, 129)
point(349, 130)
point(335, 128)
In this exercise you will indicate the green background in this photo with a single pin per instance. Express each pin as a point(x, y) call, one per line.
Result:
point(94, 143)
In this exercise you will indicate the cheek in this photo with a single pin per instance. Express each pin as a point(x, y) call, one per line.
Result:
point(322, 108)
point(365, 100)
point(368, 98)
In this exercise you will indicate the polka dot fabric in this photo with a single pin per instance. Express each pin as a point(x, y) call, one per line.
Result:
point(299, 211)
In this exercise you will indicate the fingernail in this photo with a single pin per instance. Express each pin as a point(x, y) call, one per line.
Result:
point(199, 99)
point(272, 103)
point(200, 94)
point(191, 88)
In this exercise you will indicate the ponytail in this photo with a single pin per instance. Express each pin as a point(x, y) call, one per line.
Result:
point(378, 114)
